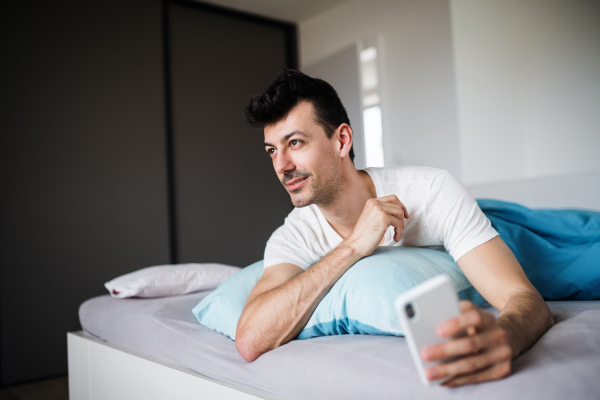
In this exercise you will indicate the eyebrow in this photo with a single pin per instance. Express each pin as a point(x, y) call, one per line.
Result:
point(289, 135)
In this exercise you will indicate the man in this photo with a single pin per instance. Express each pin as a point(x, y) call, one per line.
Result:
point(343, 214)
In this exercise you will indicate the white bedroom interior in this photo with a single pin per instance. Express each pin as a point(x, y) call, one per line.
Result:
point(503, 94)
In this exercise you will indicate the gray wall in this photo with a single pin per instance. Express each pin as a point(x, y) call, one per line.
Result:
point(228, 197)
point(84, 158)
point(83, 173)
point(528, 83)
point(572, 191)
point(489, 90)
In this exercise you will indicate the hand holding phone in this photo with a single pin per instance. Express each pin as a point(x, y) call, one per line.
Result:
point(456, 358)
point(420, 310)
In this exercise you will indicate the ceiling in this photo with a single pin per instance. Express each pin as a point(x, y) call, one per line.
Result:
point(287, 10)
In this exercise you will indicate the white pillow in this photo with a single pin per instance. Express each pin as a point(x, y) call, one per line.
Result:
point(169, 280)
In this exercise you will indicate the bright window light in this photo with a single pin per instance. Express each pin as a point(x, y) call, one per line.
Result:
point(370, 100)
point(373, 131)
point(368, 54)
point(368, 67)
point(373, 137)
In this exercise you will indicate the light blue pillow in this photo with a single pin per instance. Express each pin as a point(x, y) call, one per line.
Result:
point(361, 301)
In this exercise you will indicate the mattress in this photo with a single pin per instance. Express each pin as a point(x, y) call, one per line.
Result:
point(564, 363)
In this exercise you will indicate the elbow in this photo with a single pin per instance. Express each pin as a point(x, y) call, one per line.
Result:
point(544, 312)
point(549, 318)
point(246, 347)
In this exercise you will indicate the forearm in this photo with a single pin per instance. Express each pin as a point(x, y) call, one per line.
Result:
point(277, 316)
point(525, 318)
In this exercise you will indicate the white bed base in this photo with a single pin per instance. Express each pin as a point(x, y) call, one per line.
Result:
point(101, 370)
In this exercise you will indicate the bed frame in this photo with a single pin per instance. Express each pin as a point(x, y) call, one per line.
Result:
point(101, 370)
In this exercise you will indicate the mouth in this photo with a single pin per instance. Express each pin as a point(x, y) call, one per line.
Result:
point(296, 183)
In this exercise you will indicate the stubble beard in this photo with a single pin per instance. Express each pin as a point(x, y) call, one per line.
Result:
point(320, 192)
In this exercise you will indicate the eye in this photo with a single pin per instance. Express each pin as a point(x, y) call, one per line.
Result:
point(270, 151)
point(294, 142)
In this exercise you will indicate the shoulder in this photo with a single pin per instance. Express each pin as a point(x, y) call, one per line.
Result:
point(415, 183)
point(405, 173)
point(444, 181)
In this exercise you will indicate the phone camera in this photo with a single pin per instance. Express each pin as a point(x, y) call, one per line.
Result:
point(410, 312)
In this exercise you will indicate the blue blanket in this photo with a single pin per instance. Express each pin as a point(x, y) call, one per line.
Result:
point(559, 250)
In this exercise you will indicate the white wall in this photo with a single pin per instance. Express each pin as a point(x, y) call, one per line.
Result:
point(572, 191)
point(528, 84)
point(342, 71)
point(417, 88)
point(491, 90)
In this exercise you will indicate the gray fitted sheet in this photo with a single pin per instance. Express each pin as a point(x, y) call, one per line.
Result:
point(563, 364)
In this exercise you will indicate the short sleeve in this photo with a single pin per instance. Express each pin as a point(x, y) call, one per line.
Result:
point(454, 217)
point(285, 246)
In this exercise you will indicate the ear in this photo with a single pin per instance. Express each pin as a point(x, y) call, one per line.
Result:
point(344, 136)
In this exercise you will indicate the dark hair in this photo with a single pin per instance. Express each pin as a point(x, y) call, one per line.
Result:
point(291, 87)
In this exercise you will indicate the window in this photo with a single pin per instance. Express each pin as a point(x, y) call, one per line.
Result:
point(373, 132)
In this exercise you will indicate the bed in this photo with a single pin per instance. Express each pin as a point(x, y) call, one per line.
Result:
point(155, 348)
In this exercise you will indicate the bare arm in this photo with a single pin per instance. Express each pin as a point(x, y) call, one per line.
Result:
point(492, 343)
point(285, 297)
point(276, 315)
point(495, 272)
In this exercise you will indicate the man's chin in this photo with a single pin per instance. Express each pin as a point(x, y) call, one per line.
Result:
point(300, 201)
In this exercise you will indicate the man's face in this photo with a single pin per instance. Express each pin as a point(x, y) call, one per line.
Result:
point(304, 159)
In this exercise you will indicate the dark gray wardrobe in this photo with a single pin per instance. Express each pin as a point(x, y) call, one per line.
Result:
point(227, 195)
point(123, 145)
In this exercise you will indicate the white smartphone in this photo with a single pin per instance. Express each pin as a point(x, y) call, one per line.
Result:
point(420, 310)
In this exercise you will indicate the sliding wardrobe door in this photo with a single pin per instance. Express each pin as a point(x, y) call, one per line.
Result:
point(83, 194)
point(228, 199)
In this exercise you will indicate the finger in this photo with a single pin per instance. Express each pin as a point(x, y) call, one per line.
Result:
point(405, 210)
point(393, 209)
point(475, 317)
point(497, 371)
point(466, 345)
point(391, 214)
point(398, 224)
point(395, 214)
point(469, 365)
point(380, 210)
point(466, 305)
point(394, 199)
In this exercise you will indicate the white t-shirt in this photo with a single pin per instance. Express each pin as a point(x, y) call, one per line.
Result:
point(443, 216)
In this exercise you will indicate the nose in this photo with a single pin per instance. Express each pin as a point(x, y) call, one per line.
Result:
point(283, 163)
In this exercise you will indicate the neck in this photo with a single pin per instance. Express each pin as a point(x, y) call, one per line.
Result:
point(343, 213)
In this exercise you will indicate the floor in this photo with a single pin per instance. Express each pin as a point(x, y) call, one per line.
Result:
point(49, 389)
